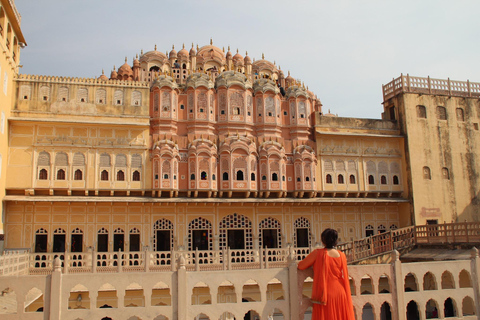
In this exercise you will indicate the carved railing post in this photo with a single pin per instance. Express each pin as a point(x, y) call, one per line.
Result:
point(475, 269)
point(293, 285)
point(181, 303)
point(398, 299)
point(55, 296)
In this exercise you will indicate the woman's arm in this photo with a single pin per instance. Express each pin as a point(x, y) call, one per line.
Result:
point(308, 261)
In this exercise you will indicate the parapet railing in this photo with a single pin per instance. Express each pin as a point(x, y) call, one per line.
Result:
point(17, 263)
point(430, 86)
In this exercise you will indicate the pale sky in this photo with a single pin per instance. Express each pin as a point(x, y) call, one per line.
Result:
point(343, 50)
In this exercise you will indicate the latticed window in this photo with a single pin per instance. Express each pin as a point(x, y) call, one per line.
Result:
point(120, 175)
point(104, 160)
point(270, 233)
point(61, 159)
point(104, 175)
point(352, 179)
point(61, 174)
point(101, 96)
point(369, 230)
point(200, 234)
point(78, 159)
point(235, 232)
point(118, 97)
point(82, 95)
point(136, 98)
point(340, 179)
point(302, 237)
point(163, 235)
point(136, 161)
point(328, 179)
point(44, 159)
point(121, 160)
point(43, 174)
point(136, 175)
point(63, 94)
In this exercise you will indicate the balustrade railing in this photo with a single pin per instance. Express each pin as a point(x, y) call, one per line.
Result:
point(41, 263)
point(430, 86)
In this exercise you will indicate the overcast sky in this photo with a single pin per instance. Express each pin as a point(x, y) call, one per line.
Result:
point(343, 50)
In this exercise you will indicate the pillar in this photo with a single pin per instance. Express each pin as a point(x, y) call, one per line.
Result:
point(475, 268)
point(398, 288)
point(182, 294)
point(56, 291)
point(293, 286)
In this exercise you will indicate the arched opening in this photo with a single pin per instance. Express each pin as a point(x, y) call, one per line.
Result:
point(274, 176)
point(226, 293)
point(429, 282)
point(79, 298)
point(134, 240)
point(431, 309)
point(385, 312)
point(395, 180)
point(251, 315)
point(102, 240)
point(61, 174)
point(104, 175)
point(163, 235)
point(468, 307)
point(118, 240)
point(307, 287)
point(43, 174)
point(161, 295)
point(58, 240)
point(340, 179)
point(203, 175)
point(34, 300)
point(201, 294)
point(352, 179)
point(76, 241)
point(410, 283)
point(239, 175)
point(412, 311)
point(251, 291)
point(78, 175)
point(366, 286)
point(136, 175)
point(383, 284)
point(449, 308)
point(465, 281)
point(269, 233)
point(252, 176)
point(447, 280)
point(371, 179)
point(107, 297)
point(225, 176)
point(383, 180)
point(367, 312)
point(120, 175)
point(275, 290)
point(328, 179)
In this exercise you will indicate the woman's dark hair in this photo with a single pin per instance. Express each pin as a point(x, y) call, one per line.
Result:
point(329, 238)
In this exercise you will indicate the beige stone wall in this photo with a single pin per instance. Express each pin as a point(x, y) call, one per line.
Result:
point(350, 218)
point(9, 61)
point(442, 153)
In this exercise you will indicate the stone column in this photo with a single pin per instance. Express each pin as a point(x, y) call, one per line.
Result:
point(56, 291)
point(293, 286)
point(182, 295)
point(475, 272)
point(398, 288)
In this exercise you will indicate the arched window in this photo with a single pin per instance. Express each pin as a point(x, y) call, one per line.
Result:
point(445, 174)
point(136, 175)
point(383, 180)
point(460, 114)
point(252, 176)
point(203, 175)
point(61, 174)
point(264, 178)
point(371, 179)
point(104, 175)
point(369, 231)
point(192, 176)
point(395, 180)
point(441, 113)
point(102, 240)
point(120, 175)
point(239, 175)
point(340, 179)
point(165, 176)
point(328, 178)
point(41, 236)
point(352, 179)
point(214, 177)
point(421, 112)
point(274, 176)
point(78, 175)
point(426, 173)
point(43, 174)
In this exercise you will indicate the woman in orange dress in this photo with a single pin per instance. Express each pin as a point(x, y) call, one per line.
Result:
point(331, 296)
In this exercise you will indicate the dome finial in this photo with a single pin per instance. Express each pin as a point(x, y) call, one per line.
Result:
point(228, 47)
point(103, 72)
point(237, 50)
point(173, 47)
point(192, 45)
point(246, 53)
point(113, 67)
point(126, 59)
point(155, 47)
point(183, 46)
point(263, 56)
point(136, 56)
point(211, 41)
point(141, 52)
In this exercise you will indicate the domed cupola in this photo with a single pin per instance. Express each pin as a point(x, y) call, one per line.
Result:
point(229, 54)
point(103, 77)
point(125, 72)
point(183, 54)
point(230, 78)
point(193, 52)
point(238, 59)
point(136, 63)
point(113, 75)
point(164, 81)
point(173, 53)
point(153, 56)
point(247, 59)
point(199, 80)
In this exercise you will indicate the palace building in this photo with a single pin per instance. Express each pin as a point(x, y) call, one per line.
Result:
point(189, 169)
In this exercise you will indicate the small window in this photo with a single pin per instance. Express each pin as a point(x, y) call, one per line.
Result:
point(421, 112)
point(45, 98)
point(239, 175)
point(165, 176)
point(191, 110)
point(43, 174)
point(156, 176)
point(328, 179)
point(307, 179)
point(104, 175)
point(136, 176)
point(283, 178)
point(441, 113)
point(201, 110)
point(274, 177)
point(182, 107)
point(192, 176)
point(252, 176)
point(61, 174)
point(383, 180)
point(214, 177)
point(222, 112)
point(352, 179)
point(371, 179)
point(119, 101)
point(460, 114)
point(395, 180)
point(298, 179)
point(340, 179)
point(78, 175)
point(285, 113)
point(225, 176)
point(203, 175)
point(445, 174)
point(475, 126)
point(264, 178)
point(120, 175)
point(426, 173)
point(302, 116)
point(269, 114)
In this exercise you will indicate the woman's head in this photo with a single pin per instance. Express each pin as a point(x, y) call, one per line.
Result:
point(329, 238)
